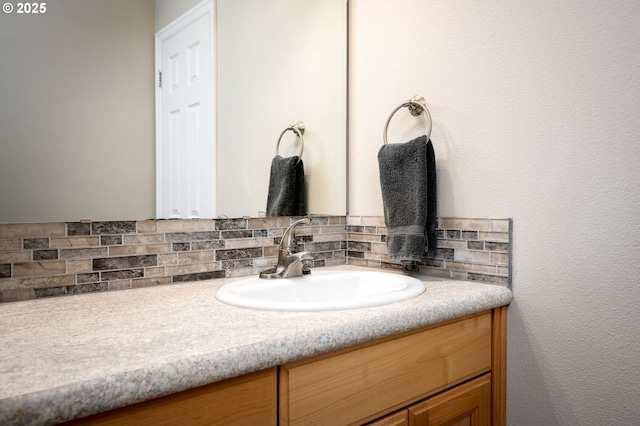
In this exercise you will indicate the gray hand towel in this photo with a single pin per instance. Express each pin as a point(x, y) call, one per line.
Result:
point(286, 195)
point(408, 182)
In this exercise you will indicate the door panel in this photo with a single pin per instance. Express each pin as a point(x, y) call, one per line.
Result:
point(186, 175)
point(466, 404)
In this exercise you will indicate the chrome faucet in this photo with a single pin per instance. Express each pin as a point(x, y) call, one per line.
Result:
point(290, 264)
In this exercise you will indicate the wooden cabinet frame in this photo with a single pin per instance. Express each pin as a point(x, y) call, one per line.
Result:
point(499, 366)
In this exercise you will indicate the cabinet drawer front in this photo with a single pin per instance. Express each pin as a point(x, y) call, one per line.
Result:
point(244, 400)
point(367, 382)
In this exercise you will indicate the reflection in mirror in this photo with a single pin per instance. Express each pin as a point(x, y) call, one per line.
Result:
point(281, 62)
point(77, 112)
point(77, 126)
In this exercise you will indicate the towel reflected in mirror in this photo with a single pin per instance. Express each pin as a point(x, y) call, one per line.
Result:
point(286, 195)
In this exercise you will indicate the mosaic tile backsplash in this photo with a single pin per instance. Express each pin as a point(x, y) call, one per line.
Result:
point(61, 258)
point(468, 249)
point(53, 259)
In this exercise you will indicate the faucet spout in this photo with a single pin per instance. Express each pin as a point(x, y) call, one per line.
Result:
point(290, 264)
point(287, 242)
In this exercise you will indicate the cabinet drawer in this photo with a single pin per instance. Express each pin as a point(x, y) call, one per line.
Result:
point(244, 400)
point(372, 380)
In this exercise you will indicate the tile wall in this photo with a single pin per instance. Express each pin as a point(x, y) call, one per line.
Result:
point(54, 259)
point(61, 258)
point(468, 249)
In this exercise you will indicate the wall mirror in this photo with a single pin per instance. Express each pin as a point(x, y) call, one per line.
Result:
point(77, 125)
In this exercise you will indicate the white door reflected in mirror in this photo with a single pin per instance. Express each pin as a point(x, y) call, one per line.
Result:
point(185, 146)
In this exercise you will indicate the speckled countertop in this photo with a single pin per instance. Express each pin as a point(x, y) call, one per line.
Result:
point(72, 356)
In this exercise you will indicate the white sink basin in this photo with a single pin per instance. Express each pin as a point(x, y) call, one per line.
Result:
point(321, 291)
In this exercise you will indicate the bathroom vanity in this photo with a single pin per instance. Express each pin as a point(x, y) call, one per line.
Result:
point(175, 354)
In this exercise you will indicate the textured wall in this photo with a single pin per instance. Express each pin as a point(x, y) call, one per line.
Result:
point(535, 108)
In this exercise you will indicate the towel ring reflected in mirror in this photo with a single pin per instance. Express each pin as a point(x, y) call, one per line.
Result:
point(416, 105)
point(298, 129)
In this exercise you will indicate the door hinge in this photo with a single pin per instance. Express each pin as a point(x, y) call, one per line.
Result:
point(160, 79)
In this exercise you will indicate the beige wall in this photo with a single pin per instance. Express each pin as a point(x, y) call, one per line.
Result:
point(535, 108)
point(168, 11)
point(77, 112)
point(280, 62)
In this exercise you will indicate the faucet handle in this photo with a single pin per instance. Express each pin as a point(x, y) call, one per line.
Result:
point(306, 259)
point(304, 256)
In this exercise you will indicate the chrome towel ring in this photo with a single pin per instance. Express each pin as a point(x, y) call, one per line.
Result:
point(416, 106)
point(298, 129)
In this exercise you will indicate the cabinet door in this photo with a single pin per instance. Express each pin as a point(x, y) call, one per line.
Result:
point(399, 418)
point(468, 404)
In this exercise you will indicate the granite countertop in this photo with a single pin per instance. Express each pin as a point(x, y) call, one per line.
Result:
point(67, 357)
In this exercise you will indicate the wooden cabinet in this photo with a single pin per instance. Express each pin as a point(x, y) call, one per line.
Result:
point(245, 400)
point(399, 418)
point(451, 373)
point(439, 375)
point(468, 404)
